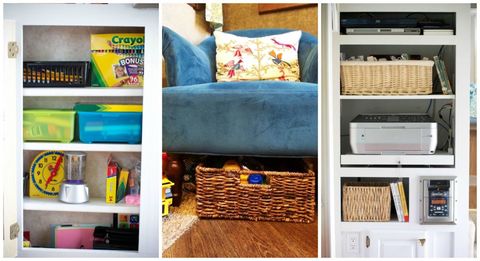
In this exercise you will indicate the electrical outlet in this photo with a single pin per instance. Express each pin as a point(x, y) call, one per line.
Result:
point(353, 243)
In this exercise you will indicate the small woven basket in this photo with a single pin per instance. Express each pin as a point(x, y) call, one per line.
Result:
point(386, 77)
point(366, 202)
point(288, 196)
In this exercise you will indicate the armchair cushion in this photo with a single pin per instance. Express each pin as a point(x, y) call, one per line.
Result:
point(241, 118)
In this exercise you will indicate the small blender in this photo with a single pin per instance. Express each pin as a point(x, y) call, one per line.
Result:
point(73, 189)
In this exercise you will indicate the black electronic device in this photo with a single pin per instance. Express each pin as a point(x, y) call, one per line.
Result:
point(438, 197)
point(378, 23)
point(397, 23)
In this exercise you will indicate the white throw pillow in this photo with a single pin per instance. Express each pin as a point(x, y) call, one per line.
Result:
point(273, 57)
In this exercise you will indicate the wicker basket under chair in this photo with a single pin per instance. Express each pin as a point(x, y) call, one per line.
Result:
point(288, 196)
point(408, 77)
point(363, 201)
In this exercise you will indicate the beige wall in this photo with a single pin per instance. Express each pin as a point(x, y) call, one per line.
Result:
point(182, 19)
point(245, 16)
point(185, 21)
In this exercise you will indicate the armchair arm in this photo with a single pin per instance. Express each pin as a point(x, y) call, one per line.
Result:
point(309, 63)
point(186, 64)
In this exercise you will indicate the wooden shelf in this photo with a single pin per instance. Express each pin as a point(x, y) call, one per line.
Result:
point(439, 158)
point(398, 97)
point(77, 146)
point(397, 39)
point(82, 92)
point(94, 205)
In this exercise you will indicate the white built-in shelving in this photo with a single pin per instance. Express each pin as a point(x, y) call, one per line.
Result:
point(81, 21)
point(393, 238)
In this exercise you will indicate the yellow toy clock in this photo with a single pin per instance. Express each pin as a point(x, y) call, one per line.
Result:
point(46, 174)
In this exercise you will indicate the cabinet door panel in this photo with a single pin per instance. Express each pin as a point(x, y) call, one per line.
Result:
point(397, 244)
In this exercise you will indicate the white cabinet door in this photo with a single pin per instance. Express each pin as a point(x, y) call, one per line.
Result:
point(8, 123)
point(396, 244)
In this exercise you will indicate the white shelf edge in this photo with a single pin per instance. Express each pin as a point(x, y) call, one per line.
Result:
point(439, 158)
point(82, 92)
point(94, 205)
point(62, 252)
point(76, 146)
point(397, 97)
point(397, 39)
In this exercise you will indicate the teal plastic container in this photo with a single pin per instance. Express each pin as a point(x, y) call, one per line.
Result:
point(110, 127)
point(48, 125)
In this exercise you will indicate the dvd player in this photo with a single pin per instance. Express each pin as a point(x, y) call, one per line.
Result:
point(397, 134)
point(378, 23)
point(382, 31)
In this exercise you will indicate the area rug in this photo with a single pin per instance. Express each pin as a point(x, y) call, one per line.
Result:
point(180, 220)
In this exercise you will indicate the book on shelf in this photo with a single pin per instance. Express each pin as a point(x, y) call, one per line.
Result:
point(403, 200)
point(396, 201)
point(443, 76)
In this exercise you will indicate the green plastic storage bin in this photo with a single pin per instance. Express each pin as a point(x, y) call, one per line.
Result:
point(48, 125)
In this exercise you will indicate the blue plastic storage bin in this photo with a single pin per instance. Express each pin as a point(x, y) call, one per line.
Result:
point(118, 127)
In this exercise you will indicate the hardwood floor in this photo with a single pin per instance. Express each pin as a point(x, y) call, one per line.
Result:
point(238, 238)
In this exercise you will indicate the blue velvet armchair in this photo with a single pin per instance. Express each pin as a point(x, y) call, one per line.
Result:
point(256, 118)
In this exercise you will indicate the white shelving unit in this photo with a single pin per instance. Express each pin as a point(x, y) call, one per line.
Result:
point(393, 238)
point(83, 18)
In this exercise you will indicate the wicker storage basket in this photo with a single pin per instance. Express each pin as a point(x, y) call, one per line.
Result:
point(366, 202)
point(386, 77)
point(288, 196)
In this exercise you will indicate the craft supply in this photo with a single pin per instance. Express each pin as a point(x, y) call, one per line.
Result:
point(109, 123)
point(117, 60)
point(46, 174)
point(108, 107)
point(48, 125)
point(111, 183)
point(133, 191)
point(74, 236)
point(122, 184)
point(55, 74)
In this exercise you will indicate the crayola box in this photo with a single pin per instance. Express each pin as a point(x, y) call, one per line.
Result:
point(117, 60)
